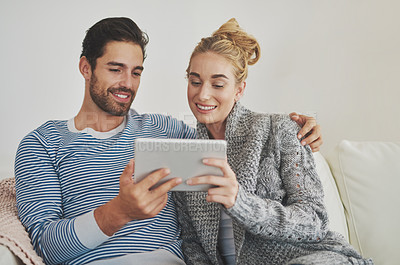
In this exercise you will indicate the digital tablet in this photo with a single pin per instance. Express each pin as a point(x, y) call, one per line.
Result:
point(182, 156)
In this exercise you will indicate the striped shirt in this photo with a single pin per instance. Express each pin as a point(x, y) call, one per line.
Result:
point(62, 176)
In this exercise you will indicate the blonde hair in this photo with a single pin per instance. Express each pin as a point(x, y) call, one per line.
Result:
point(234, 44)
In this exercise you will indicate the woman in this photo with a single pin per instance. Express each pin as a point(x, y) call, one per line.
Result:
point(268, 206)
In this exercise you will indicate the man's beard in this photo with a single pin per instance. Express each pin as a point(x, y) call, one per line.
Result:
point(100, 97)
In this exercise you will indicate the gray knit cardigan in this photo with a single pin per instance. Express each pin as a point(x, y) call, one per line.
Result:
point(279, 215)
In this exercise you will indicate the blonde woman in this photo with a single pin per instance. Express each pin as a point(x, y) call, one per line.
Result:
point(268, 206)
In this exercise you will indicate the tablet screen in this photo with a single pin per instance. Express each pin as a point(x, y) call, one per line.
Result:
point(182, 156)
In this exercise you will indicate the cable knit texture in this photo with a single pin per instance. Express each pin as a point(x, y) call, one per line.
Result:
point(279, 216)
point(12, 232)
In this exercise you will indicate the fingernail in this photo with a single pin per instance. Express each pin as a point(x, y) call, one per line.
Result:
point(299, 136)
point(178, 180)
point(303, 143)
point(167, 171)
point(205, 160)
point(189, 181)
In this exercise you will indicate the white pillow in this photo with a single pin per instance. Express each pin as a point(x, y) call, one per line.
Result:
point(333, 203)
point(368, 178)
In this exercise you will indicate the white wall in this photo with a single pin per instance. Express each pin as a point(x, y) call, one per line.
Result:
point(338, 58)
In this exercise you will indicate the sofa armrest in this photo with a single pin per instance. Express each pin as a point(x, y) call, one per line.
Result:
point(12, 233)
point(333, 202)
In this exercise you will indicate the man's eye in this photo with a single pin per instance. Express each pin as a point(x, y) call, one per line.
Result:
point(218, 86)
point(137, 74)
point(115, 70)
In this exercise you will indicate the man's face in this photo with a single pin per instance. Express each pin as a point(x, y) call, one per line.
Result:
point(115, 80)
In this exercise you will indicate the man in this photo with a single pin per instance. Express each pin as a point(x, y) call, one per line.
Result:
point(75, 193)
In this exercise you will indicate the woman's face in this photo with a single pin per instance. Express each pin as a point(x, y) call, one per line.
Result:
point(212, 89)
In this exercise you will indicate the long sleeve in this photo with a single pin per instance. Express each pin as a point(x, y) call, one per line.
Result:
point(62, 176)
point(176, 129)
point(295, 215)
point(279, 213)
point(39, 202)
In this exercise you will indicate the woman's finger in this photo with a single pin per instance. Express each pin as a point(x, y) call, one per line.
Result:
point(228, 202)
point(208, 179)
point(221, 164)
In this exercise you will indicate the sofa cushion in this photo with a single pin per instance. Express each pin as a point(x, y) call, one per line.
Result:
point(333, 203)
point(368, 178)
point(8, 257)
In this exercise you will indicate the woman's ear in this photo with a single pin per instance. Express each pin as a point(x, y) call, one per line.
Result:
point(85, 68)
point(240, 91)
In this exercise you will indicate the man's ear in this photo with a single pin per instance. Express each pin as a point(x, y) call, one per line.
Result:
point(240, 91)
point(85, 68)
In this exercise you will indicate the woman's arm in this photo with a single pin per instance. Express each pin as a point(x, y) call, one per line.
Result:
point(298, 217)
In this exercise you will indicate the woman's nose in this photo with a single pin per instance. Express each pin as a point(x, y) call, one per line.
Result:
point(204, 92)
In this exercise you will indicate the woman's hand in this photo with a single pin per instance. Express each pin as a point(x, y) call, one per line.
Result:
point(227, 185)
point(310, 129)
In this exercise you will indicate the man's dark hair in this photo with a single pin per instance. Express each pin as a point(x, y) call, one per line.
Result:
point(111, 29)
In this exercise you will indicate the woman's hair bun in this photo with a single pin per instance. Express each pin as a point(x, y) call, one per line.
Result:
point(234, 44)
point(240, 38)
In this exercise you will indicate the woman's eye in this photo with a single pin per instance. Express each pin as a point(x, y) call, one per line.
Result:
point(195, 83)
point(218, 85)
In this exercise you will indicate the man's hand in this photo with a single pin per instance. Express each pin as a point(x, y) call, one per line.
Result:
point(135, 200)
point(310, 129)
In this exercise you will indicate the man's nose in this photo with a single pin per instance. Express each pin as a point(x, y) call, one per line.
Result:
point(127, 80)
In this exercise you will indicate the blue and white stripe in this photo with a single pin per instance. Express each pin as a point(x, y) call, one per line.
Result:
point(61, 175)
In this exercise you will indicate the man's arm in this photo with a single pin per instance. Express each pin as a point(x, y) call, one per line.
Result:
point(135, 200)
point(311, 131)
point(39, 203)
point(173, 128)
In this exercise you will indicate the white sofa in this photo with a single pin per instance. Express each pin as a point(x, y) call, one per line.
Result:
point(361, 182)
point(367, 176)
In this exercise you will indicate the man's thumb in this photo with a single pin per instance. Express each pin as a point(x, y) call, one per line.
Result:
point(126, 176)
